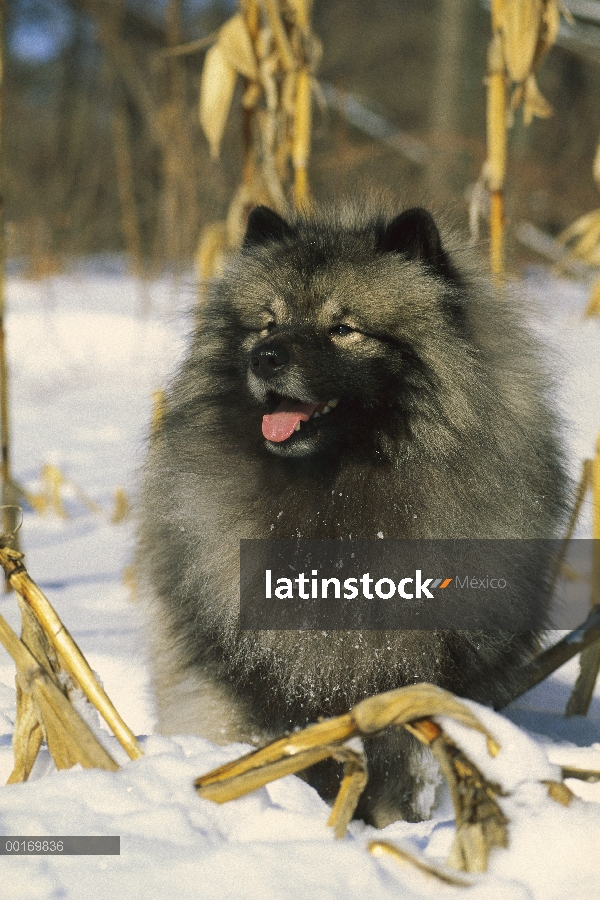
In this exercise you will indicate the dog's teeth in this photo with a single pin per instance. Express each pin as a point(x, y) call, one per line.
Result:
point(297, 428)
point(326, 409)
point(316, 415)
point(332, 403)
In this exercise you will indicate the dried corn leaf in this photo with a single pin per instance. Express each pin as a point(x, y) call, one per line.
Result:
point(402, 855)
point(419, 701)
point(29, 733)
point(27, 738)
point(550, 25)
point(353, 783)
point(267, 130)
point(534, 103)
point(392, 708)
point(216, 93)
point(469, 851)
point(520, 22)
point(69, 739)
point(35, 639)
point(480, 822)
point(242, 200)
point(236, 46)
point(529, 28)
point(280, 36)
point(52, 480)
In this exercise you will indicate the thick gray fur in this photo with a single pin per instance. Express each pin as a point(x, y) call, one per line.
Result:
point(448, 432)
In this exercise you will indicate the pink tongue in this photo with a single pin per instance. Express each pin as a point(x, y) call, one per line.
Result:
point(280, 425)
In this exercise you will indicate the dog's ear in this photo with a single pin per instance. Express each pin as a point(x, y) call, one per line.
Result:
point(264, 226)
point(415, 234)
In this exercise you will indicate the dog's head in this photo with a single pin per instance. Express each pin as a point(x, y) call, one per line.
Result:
point(342, 326)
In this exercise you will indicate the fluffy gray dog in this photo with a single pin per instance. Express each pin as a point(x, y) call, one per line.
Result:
point(351, 375)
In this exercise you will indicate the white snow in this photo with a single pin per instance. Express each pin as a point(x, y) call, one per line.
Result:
point(84, 360)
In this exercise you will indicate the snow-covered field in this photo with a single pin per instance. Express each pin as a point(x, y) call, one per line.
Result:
point(83, 365)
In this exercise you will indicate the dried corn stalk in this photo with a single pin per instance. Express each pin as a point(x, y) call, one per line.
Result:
point(50, 667)
point(528, 29)
point(522, 33)
point(44, 710)
point(403, 856)
point(50, 498)
point(589, 661)
point(122, 507)
point(480, 822)
point(269, 44)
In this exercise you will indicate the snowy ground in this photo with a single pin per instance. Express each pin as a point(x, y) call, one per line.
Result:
point(83, 365)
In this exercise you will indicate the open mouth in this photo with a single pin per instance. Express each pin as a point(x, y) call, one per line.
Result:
point(292, 416)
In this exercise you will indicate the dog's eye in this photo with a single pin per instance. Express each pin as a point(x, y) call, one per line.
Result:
point(341, 329)
point(271, 326)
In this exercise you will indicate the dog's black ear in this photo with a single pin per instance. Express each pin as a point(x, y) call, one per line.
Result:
point(264, 226)
point(415, 234)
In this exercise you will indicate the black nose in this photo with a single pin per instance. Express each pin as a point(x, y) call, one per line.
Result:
point(269, 361)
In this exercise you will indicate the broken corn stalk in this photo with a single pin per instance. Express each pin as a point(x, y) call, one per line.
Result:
point(481, 824)
point(269, 44)
point(69, 654)
point(522, 33)
point(301, 140)
point(44, 711)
